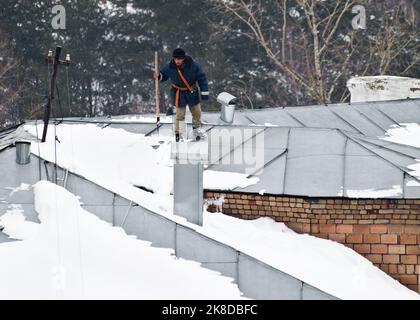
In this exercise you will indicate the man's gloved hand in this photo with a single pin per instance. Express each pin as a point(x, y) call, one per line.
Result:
point(157, 76)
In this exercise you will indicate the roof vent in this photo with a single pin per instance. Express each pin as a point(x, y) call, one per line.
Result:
point(23, 152)
point(228, 103)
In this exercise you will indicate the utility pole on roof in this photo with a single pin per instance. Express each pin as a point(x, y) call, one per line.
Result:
point(55, 61)
point(157, 92)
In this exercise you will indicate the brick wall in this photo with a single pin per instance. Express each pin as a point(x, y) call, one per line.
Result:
point(385, 231)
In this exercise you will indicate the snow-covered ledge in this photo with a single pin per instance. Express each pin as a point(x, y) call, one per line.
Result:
point(383, 88)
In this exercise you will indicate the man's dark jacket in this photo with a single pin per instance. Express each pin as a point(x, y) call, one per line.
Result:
point(195, 77)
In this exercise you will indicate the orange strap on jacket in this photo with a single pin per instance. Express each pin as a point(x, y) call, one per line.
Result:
point(179, 89)
point(178, 92)
point(184, 80)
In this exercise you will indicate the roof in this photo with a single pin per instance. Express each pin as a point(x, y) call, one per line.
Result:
point(327, 163)
point(367, 118)
point(316, 151)
point(370, 118)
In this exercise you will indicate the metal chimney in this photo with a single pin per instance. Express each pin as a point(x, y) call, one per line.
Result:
point(383, 88)
point(189, 158)
point(228, 103)
point(23, 152)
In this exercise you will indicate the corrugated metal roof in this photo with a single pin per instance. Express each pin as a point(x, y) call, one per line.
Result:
point(370, 118)
point(317, 151)
point(326, 163)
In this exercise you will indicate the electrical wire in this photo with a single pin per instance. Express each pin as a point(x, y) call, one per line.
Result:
point(39, 150)
point(81, 264)
point(55, 132)
point(58, 244)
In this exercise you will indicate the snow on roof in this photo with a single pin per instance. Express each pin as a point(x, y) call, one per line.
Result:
point(407, 134)
point(294, 158)
point(72, 254)
point(122, 162)
point(118, 160)
point(77, 248)
point(365, 145)
point(324, 264)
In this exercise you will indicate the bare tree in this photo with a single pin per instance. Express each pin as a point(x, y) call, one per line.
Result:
point(312, 43)
point(394, 43)
point(11, 85)
point(316, 21)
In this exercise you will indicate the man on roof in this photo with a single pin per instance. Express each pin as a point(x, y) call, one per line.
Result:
point(188, 82)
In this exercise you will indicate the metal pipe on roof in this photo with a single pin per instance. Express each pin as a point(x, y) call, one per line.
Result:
point(228, 103)
point(23, 152)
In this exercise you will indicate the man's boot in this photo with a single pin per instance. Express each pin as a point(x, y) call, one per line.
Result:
point(179, 137)
point(199, 134)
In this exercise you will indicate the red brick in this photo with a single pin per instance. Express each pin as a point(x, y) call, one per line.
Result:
point(341, 238)
point(392, 268)
point(391, 258)
point(409, 279)
point(410, 269)
point(408, 239)
point(350, 221)
point(378, 229)
point(344, 228)
point(306, 228)
point(396, 249)
point(409, 259)
point(297, 227)
point(374, 258)
point(305, 221)
point(318, 206)
point(327, 228)
point(412, 229)
point(372, 238)
point(366, 222)
point(362, 248)
point(389, 238)
point(361, 229)
point(314, 228)
point(398, 229)
point(379, 248)
point(354, 238)
point(401, 269)
point(413, 249)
